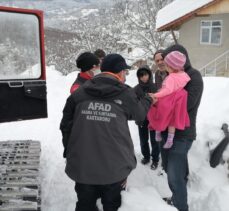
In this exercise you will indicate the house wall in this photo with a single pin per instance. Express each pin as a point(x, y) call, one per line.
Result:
point(221, 7)
point(201, 54)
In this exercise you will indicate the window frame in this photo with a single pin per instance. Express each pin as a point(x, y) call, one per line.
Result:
point(40, 16)
point(210, 32)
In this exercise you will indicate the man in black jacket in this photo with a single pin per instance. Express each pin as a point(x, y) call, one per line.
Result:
point(96, 136)
point(146, 85)
point(174, 160)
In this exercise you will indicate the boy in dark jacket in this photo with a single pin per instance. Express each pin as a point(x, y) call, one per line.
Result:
point(145, 86)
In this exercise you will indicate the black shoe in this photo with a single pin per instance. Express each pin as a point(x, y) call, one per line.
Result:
point(154, 165)
point(145, 161)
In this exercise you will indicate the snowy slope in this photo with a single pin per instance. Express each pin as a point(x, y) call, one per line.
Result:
point(58, 12)
point(208, 188)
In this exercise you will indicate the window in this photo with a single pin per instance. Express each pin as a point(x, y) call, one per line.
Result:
point(19, 46)
point(211, 32)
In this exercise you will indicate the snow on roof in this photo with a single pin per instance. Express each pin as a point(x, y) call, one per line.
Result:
point(178, 9)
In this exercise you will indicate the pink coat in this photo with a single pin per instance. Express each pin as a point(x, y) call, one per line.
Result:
point(171, 108)
point(172, 83)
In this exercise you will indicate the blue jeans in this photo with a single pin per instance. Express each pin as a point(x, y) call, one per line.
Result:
point(175, 163)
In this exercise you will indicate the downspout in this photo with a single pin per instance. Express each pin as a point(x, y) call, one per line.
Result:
point(174, 36)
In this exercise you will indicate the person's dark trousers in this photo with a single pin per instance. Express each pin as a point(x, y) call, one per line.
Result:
point(155, 149)
point(175, 163)
point(144, 143)
point(88, 194)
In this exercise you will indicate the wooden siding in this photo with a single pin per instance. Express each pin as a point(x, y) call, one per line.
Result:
point(218, 8)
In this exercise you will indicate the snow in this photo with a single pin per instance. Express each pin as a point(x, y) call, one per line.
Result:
point(86, 12)
point(178, 9)
point(33, 72)
point(208, 188)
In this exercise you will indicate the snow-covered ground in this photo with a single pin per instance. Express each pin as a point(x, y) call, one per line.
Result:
point(208, 189)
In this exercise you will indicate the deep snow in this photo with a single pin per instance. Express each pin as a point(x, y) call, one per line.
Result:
point(208, 188)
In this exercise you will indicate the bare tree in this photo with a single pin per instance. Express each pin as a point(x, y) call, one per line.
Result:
point(122, 26)
point(100, 30)
point(141, 21)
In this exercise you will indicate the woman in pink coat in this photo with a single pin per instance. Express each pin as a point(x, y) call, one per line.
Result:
point(170, 102)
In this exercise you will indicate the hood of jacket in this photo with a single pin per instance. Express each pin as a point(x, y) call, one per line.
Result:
point(147, 69)
point(104, 86)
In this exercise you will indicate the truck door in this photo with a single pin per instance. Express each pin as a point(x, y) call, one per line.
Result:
point(22, 65)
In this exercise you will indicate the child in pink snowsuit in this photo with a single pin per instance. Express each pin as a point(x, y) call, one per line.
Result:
point(170, 109)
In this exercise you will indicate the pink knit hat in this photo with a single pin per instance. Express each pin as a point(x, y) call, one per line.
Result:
point(176, 60)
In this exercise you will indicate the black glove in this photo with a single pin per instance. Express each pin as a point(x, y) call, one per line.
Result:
point(139, 123)
point(143, 123)
point(65, 138)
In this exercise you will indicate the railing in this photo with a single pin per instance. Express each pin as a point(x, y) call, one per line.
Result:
point(217, 67)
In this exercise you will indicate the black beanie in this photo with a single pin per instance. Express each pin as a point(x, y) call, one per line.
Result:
point(86, 61)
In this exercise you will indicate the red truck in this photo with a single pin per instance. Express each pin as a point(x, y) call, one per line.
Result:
point(22, 97)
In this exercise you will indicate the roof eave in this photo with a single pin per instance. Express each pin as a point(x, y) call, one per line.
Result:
point(178, 22)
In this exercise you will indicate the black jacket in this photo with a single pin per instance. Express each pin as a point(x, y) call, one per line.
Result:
point(143, 88)
point(96, 133)
point(159, 78)
point(79, 80)
point(194, 89)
